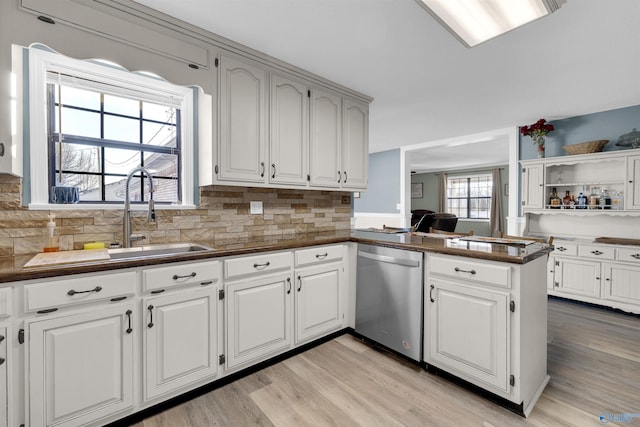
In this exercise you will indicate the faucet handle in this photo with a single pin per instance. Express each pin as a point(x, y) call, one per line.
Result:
point(151, 211)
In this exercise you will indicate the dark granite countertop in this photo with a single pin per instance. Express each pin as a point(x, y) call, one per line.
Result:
point(11, 267)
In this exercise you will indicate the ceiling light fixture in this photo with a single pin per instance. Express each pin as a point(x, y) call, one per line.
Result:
point(475, 21)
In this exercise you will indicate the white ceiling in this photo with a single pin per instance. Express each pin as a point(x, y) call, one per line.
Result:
point(426, 86)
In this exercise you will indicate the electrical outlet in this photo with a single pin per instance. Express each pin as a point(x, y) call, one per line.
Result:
point(256, 208)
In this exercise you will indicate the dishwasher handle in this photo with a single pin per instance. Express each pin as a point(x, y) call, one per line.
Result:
point(390, 259)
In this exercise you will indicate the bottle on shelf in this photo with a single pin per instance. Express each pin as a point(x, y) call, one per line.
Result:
point(572, 202)
point(617, 201)
point(566, 200)
point(582, 201)
point(594, 198)
point(604, 201)
point(554, 201)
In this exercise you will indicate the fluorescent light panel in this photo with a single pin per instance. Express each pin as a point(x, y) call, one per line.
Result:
point(476, 21)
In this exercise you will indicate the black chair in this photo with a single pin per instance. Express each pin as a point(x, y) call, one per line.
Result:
point(417, 214)
point(439, 220)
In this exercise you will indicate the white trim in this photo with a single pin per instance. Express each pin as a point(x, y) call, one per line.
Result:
point(106, 207)
point(41, 62)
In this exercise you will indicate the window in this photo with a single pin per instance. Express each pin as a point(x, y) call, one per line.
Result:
point(98, 123)
point(470, 196)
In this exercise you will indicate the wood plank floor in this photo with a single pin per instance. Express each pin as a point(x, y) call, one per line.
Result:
point(593, 361)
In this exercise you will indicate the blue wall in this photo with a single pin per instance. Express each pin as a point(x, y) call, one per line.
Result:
point(574, 130)
point(384, 184)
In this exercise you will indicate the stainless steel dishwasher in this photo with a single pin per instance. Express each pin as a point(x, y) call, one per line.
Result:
point(389, 291)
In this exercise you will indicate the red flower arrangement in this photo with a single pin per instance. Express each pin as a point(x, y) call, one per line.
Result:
point(537, 131)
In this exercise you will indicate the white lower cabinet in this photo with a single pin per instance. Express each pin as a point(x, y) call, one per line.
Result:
point(258, 318)
point(486, 323)
point(317, 296)
point(469, 330)
point(577, 277)
point(80, 366)
point(621, 283)
point(180, 340)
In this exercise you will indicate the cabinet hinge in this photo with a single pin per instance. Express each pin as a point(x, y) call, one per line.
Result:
point(512, 380)
point(221, 359)
point(216, 62)
point(523, 203)
point(21, 336)
point(221, 294)
point(524, 170)
point(512, 306)
point(557, 263)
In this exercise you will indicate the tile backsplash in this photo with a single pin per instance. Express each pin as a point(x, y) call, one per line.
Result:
point(223, 213)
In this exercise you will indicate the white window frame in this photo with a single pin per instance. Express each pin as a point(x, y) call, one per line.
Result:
point(42, 61)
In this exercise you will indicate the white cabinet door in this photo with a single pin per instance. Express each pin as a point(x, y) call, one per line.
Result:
point(326, 139)
point(533, 194)
point(4, 382)
point(469, 331)
point(621, 283)
point(258, 318)
point(180, 340)
point(243, 127)
point(80, 366)
point(318, 309)
point(289, 142)
point(355, 145)
point(577, 277)
point(632, 200)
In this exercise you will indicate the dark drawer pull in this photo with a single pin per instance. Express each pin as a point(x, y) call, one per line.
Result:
point(176, 277)
point(259, 266)
point(459, 270)
point(96, 289)
point(597, 252)
point(116, 299)
point(150, 308)
point(636, 256)
point(1, 338)
point(128, 313)
point(561, 248)
point(208, 282)
point(48, 310)
point(157, 291)
point(322, 256)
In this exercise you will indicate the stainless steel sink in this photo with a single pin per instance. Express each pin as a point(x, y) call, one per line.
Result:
point(156, 250)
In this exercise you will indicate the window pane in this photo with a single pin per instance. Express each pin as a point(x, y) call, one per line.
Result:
point(158, 134)
point(121, 129)
point(165, 165)
point(78, 122)
point(119, 105)
point(118, 161)
point(158, 113)
point(480, 208)
point(88, 186)
point(165, 190)
point(79, 98)
point(78, 158)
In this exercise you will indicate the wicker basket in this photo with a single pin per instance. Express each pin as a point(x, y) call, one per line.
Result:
point(586, 147)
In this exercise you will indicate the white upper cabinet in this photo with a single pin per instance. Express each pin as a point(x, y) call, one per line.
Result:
point(326, 139)
point(243, 121)
point(533, 194)
point(355, 144)
point(633, 183)
point(289, 142)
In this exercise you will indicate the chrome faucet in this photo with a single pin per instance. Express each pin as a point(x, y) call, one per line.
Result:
point(127, 237)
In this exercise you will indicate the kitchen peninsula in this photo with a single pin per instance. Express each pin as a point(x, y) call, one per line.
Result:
point(246, 303)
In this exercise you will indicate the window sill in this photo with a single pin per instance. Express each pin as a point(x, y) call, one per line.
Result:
point(104, 207)
point(480, 220)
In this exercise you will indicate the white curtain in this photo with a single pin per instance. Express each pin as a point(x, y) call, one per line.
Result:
point(442, 192)
point(496, 223)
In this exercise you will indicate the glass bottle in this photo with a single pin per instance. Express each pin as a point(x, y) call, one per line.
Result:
point(582, 201)
point(594, 198)
point(554, 200)
point(605, 200)
point(566, 200)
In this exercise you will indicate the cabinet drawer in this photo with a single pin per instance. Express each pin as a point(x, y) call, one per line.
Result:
point(5, 302)
point(596, 251)
point(78, 290)
point(181, 275)
point(562, 248)
point(471, 271)
point(258, 264)
point(317, 255)
point(628, 254)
